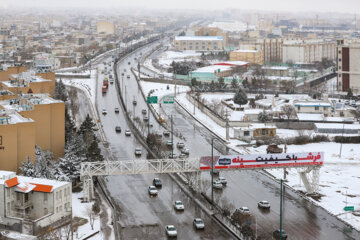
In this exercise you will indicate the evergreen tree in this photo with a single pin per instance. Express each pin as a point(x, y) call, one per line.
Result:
point(212, 86)
point(93, 153)
point(27, 168)
point(240, 97)
point(264, 116)
point(60, 91)
point(349, 93)
point(234, 83)
point(43, 163)
point(221, 82)
point(87, 125)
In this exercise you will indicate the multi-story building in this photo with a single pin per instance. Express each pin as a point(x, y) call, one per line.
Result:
point(212, 31)
point(30, 205)
point(199, 43)
point(348, 67)
point(17, 140)
point(251, 56)
point(47, 118)
point(103, 27)
point(271, 48)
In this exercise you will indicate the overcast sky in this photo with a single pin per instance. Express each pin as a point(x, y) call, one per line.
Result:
point(349, 6)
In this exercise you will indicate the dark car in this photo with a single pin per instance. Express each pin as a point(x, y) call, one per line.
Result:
point(276, 234)
point(118, 129)
point(157, 182)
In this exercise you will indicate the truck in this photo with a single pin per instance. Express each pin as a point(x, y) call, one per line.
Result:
point(104, 89)
point(273, 148)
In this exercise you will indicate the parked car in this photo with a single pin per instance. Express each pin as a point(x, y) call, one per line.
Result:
point(137, 151)
point(157, 182)
point(166, 133)
point(273, 148)
point(152, 191)
point(127, 132)
point(185, 151)
point(198, 223)
point(217, 184)
point(264, 204)
point(117, 110)
point(276, 234)
point(171, 231)
point(104, 112)
point(169, 143)
point(118, 129)
point(182, 155)
point(244, 210)
point(143, 111)
point(179, 206)
point(347, 102)
point(222, 180)
point(180, 145)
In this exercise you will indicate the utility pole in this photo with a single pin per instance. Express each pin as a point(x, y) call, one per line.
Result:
point(148, 119)
point(281, 208)
point(172, 138)
point(227, 125)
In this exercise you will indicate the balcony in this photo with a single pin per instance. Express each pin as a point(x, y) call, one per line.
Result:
point(23, 205)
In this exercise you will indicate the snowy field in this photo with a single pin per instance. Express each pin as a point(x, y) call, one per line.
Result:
point(166, 58)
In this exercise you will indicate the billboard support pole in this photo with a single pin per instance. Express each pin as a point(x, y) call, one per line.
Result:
point(212, 172)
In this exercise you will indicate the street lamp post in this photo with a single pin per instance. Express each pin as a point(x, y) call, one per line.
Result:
point(212, 171)
point(281, 203)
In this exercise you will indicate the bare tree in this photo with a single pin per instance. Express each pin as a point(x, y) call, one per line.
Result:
point(288, 111)
point(92, 213)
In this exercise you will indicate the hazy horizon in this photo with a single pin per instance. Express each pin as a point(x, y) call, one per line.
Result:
point(345, 6)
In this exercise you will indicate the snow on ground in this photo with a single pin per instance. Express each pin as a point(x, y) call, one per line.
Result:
point(148, 64)
point(79, 210)
point(339, 177)
point(166, 58)
point(86, 84)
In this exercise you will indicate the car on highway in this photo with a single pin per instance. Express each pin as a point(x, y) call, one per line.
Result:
point(180, 145)
point(111, 81)
point(222, 180)
point(276, 234)
point(217, 184)
point(117, 110)
point(134, 102)
point(166, 133)
point(138, 151)
point(129, 63)
point(264, 204)
point(244, 210)
point(118, 129)
point(179, 206)
point(182, 155)
point(185, 151)
point(169, 143)
point(104, 112)
point(127, 132)
point(128, 76)
point(145, 118)
point(172, 155)
point(143, 111)
point(152, 191)
point(171, 231)
point(199, 223)
point(347, 102)
point(157, 182)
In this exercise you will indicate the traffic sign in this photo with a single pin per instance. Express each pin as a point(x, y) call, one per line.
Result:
point(152, 99)
point(349, 208)
point(168, 99)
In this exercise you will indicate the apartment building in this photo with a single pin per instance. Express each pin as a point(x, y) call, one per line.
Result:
point(48, 120)
point(270, 47)
point(30, 205)
point(348, 67)
point(251, 56)
point(17, 140)
point(199, 43)
point(104, 27)
point(212, 31)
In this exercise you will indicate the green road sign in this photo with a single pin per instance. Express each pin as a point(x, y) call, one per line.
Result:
point(349, 208)
point(168, 99)
point(152, 99)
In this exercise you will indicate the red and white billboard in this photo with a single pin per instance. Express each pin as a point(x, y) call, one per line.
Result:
point(263, 160)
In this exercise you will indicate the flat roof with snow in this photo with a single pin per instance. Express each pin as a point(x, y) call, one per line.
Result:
point(246, 51)
point(212, 68)
point(312, 104)
point(198, 38)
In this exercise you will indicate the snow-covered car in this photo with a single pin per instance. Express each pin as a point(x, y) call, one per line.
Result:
point(198, 223)
point(152, 191)
point(183, 155)
point(145, 118)
point(117, 110)
point(166, 133)
point(222, 180)
point(134, 102)
point(169, 143)
point(157, 182)
point(118, 129)
point(137, 151)
point(185, 151)
point(264, 204)
point(111, 81)
point(217, 184)
point(171, 231)
point(347, 102)
point(143, 111)
point(128, 76)
point(172, 155)
point(104, 112)
point(244, 210)
point(127, 132)
point(180, 145)
point(178, 205)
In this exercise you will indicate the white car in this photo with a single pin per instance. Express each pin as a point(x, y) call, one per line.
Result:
point(180, 145)
point(127, 132)
point(264, 204)
point(198, 223)
point(217, 184)
point(145, 118)
point(104, 112)
point(166, 133)
point(183, 155)
point(244, 210)
point(185, 151)
point(179, 206)
point(222, 180)
point(152, 191)
point(171, 231)
point(137, 151)
point(171, 156)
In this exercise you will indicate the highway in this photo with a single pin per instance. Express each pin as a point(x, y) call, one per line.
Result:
point(140, 214)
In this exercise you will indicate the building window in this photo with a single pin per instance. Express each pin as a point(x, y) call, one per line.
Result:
point(339, 59)
point(263, 131)
point(317, 108)
point(299, 108)
point(325, 108)
point(18, 196)
point(246, 133)
point(45, 197)
point(271, 132)
point(339, 67)
point(339, 74)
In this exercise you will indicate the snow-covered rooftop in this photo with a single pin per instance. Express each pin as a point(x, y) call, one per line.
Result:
point(312, 104)
point(246, 51)
point(211, 69)
point(337, 126)
point(201, 38)
point(310, 117)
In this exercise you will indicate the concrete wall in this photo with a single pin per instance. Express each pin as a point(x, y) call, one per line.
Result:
point(4, 75)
